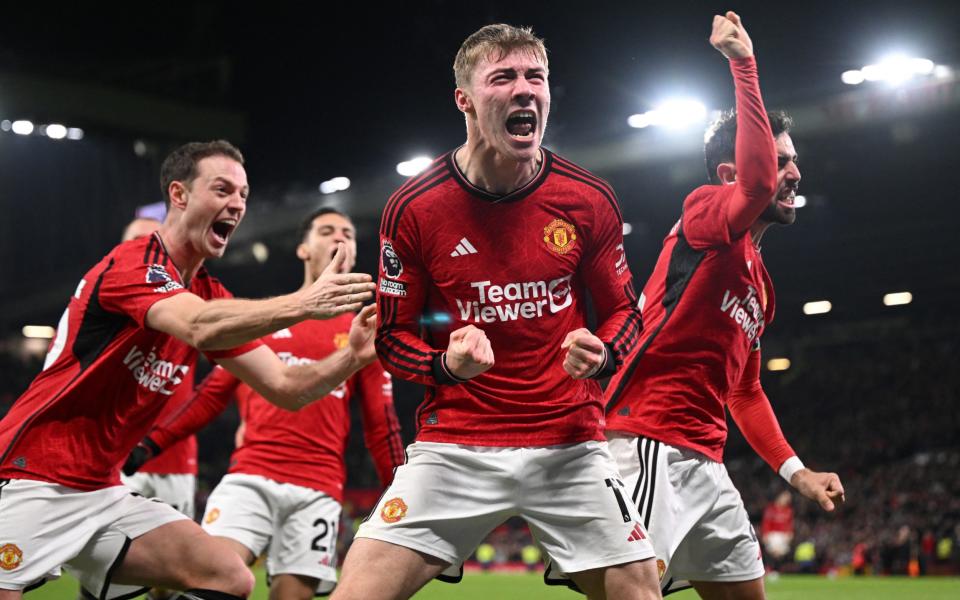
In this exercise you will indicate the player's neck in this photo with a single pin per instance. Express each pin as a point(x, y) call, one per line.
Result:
point(757, 230)
point(186, 260)
point(493, 172)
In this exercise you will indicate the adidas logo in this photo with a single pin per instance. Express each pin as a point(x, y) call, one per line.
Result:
point(637, 534)
point(282, 334)
point(464, 247)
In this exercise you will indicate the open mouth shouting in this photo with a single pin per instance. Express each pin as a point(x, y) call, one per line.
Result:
point(522, 125)
point(222, 230)
point(787, 197)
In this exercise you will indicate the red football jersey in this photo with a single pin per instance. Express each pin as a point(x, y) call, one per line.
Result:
point(777, 518)
point(518, 267)
point(107, 375)
point(180, 458)
point(705, 306)
point(305, 447)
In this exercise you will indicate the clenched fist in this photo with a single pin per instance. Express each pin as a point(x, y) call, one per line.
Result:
point(585, 353)
point(468, 353)
point(334, 293)
point(729, 36)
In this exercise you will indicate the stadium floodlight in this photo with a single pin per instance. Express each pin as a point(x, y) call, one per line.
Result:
point(894, 69)
point(22, 127)
point(44, 332)
point(55, 131)
point(260, 252)
point(897, 298)
point(854, 77)
point(778, 364)
point(817, 307)
point(74, 133)
point(5, 125)
point(799, 201)
point(942, 72)
point(676, 113)
point(337, 184)
point(414, 166)
point(627, 228)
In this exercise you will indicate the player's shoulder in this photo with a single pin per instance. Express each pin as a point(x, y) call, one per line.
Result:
point(207, 286)
point(578, 176)
point(707, 193)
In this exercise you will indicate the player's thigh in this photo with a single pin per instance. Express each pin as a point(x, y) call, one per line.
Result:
point(305, 542)
point(239, 549)
point(11, 594)
point(180, 555)
point(293, 587)
point(730, 590)
point(578, 510)
point(632, 581)
point(378, 570)
point(243, 508)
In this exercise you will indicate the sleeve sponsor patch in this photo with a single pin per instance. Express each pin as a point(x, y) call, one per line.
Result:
point(389, 261)
point(158, 274)
point(393, 288)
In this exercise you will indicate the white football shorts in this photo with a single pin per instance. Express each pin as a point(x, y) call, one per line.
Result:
point(45, 527)
point(176, 489)
point(447, 497)
point(296, 526)
point(697, 521)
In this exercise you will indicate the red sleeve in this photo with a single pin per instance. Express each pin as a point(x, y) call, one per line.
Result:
point(401, 300)
point(208, 401)
point(130, 285)
point(754, 416)
point(756, 153)
point(714, 215)
point(608, 278)
point(381, 428)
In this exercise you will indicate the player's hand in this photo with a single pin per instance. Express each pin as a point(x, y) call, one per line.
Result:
point(468, 353)
point(363, 330)
point(335, 293)
point(145, 451)
point(823, 488)
point(729, 36)
point(585, 354)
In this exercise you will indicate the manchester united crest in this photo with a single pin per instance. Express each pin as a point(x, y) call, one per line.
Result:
point(10, 557)
point(212, 516)
point(560, 236)
point(393, 510)
point(341, 340)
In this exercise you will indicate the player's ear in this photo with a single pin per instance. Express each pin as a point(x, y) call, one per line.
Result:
point(302, 252)
point(464, 103)
point(177, 192)
point(727, 173)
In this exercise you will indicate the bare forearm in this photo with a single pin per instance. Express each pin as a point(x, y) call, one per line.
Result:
point(227, 323)
point(304, 384)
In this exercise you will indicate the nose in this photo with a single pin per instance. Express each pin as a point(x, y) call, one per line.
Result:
point(792, 172)
point(523, 92)
point(237, 204)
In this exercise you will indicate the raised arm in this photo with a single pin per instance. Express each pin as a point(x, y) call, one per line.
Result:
point(294, 386)
point(756, 156)
point(211, 325)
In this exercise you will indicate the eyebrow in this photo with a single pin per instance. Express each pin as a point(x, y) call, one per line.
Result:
point(221, 178)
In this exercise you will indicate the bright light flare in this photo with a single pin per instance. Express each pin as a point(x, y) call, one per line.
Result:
point(55, 131)
point(778, 364)
point(677, 113)
point(337, 184)
point(817, 307)
point(43, 332)
point(897, 298)
point(894, 69)
point(22, 127)
point(414, 166)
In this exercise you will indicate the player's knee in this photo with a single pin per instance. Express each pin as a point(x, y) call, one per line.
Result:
point(227, 574)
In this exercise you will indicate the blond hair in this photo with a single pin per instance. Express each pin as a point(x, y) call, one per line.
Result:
point(500, 38)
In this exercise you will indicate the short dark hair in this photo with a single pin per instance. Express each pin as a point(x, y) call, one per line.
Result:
point(181, 164)
point(720, 141)
point(307, 224)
